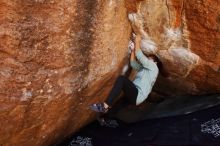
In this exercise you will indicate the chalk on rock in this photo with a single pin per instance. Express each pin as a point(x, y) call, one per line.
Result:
point(184, 55)
point(174, 34)
point(132, 16)
point(148, 46)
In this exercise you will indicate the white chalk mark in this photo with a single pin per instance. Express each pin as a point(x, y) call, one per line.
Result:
point(81, 141)
point(148, 46)
point(26, 95)
point(185, 57)
point(173, 34)
point(211, 127)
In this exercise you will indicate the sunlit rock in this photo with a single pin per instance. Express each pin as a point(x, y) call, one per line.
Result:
point(56, 57)
point(187, 36)
point(59, 56)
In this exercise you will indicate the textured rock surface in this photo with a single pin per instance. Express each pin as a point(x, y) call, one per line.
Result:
point(59, 56)
point(56, 57)
point(188, 39)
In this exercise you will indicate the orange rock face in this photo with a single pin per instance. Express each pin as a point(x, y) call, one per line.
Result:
point(202, 19)
point(132, 5)
point(56, 57)
point(187, 36)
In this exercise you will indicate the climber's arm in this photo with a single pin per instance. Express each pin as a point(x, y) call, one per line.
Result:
point(139, 54)
point(134, 64)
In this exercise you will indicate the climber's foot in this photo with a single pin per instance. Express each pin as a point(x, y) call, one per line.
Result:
point(99, 107)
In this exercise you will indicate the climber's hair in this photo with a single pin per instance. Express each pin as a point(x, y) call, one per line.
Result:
point(159, 64)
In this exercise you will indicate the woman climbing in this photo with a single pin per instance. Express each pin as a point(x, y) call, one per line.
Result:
point(137, 90)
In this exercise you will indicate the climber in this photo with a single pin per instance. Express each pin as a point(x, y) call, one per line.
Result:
point(137, 90)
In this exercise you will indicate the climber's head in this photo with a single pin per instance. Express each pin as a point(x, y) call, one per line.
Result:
point(159, 64)
point(154, 58)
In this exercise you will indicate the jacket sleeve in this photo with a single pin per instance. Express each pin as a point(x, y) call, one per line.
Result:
point(135, 65)
point(143, 59)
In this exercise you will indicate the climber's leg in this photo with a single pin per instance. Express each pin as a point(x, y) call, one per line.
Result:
point(121, 84)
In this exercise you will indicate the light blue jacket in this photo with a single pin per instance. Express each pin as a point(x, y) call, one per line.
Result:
point(147, 73)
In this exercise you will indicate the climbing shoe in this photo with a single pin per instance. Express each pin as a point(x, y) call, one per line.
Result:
point(98, 107)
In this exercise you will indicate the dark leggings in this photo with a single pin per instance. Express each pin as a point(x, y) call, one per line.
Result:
point(123, 84)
